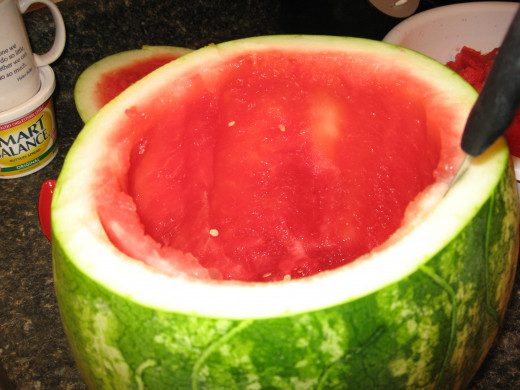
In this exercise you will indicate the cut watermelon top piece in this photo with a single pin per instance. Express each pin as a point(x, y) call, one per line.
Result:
point(108, 77)
point(275, 158)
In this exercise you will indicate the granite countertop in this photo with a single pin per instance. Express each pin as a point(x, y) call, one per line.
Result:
point(34, 353)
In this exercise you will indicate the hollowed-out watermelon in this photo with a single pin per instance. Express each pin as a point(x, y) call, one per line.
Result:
point(290, 156)
point(108, 77)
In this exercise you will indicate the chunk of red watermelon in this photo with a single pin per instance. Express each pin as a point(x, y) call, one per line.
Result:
point(474, 67)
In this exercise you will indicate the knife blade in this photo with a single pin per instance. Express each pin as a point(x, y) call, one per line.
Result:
point(498, 101)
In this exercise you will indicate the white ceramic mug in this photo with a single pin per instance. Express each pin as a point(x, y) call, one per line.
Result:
point(19, 76)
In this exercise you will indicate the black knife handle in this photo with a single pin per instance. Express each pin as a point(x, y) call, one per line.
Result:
point(499, 99)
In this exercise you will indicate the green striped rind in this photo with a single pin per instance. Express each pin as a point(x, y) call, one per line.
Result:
point(429, 330)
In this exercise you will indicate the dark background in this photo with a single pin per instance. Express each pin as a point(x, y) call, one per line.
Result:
point(33, 351)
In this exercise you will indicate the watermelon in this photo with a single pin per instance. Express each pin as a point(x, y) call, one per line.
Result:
point(108, 77)
point(418, 307)
point(473, 65)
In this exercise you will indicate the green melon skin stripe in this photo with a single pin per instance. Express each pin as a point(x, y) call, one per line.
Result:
point(451, 294)
point(213, 347)
point(491, 309)
point(429, 330)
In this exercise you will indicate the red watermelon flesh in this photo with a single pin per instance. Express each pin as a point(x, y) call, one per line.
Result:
point(282, 168)
point(474, 67)
point(117, 80)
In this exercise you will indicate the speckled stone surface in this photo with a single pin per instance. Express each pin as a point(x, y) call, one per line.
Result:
point(33, 350)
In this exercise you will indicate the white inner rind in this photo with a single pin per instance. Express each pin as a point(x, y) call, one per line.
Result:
point(78, 231)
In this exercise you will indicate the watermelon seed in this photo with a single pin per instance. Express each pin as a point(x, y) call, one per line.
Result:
point(232, 123)
point(282, 128)
point(213, 232)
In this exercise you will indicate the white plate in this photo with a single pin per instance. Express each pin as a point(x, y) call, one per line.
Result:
point(441, 32)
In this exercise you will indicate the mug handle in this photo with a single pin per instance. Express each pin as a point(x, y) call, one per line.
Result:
point(59, 34)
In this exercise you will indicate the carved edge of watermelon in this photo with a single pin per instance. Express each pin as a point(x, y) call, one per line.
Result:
point(421, 313)
point(86, 85)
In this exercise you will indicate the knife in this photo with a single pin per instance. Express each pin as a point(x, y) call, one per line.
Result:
point(499, 99)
